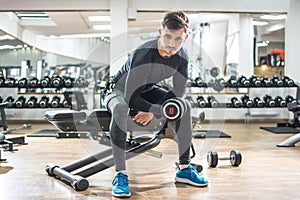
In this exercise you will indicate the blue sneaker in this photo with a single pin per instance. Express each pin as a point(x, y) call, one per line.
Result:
point(190, 176)
point(120, 186)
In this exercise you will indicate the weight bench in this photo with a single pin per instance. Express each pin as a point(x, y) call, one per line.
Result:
point(97, 123)
point(291, 141)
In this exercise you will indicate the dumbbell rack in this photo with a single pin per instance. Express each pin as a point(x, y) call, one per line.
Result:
point(192, 92)
point(38, 89)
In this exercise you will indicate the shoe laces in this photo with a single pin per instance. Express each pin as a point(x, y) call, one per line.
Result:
point(120, 179)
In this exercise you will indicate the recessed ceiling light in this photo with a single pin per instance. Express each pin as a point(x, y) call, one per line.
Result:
point(101, 27)
point(32, 15)
point(259, 23)
point(273, 17)
point(98, 18)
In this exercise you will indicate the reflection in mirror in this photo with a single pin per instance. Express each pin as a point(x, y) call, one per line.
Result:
point(19, 60)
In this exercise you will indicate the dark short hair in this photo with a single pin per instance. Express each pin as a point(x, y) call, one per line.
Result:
point(175, 20)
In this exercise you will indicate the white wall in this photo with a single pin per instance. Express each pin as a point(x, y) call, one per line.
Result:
point(292, 41)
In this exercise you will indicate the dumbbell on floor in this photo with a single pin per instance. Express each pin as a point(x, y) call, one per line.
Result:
point(235, 158)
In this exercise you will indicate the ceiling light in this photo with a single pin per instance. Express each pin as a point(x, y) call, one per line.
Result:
point(259, 23)
point(102, 27)
point(262, 44)
point(273, 17)
point(98, 18)
point(32, 15)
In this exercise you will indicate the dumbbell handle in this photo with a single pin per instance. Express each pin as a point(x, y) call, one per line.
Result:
point(224, 158)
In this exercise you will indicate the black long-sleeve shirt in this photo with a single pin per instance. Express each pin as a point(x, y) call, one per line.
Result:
point(145, 67)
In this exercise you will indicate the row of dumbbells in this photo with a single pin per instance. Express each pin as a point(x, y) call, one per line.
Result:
point(245, 102)
point(243, 81)
point(33, 102)
point(45, 82)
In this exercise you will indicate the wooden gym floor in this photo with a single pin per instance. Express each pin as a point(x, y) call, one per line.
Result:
point(266, 172)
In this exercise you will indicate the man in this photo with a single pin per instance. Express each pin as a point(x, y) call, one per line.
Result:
point(135, 88)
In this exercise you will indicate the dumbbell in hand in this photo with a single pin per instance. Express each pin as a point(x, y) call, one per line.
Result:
point(173, 109)
point(235, 158)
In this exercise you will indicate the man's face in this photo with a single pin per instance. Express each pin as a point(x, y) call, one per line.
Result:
point(171, 40)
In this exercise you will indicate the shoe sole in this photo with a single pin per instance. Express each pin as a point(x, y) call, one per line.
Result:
point(187, 181)
point(121, 195)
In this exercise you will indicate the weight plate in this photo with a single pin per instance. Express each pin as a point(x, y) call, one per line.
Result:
point(212, 158)
point(235, 158)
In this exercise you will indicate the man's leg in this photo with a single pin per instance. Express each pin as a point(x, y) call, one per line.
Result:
point(118, 129)
point(186, 173)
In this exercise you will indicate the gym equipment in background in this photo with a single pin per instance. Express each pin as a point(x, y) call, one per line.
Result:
point(22, 83)
point(32, 101)
point(20, 102)
point(235, 102)
point(243, 81)
point(269, 101)
point(235, 158)
point(276, 81)
point(258, 103)
point(8, 143)
point(55, 102)
point(254, 81)
point(247, 102)
point(212, 102)
point(201, 102)
point(44, 101)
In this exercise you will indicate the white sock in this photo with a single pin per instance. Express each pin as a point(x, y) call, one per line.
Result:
point(123, 171)
point(182, 167)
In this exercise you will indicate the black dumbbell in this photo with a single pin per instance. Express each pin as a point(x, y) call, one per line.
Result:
point(20, 102)
point(199, 82)
point(173, 108)
point(10, 82)
point(55, 102)
point(34, 82)
point(290, 99)
point(254, 81)
point(265, 82)
point(212, 102)
point(235, 102)
point(235, 158)
point(43, 103)
point(66, 103)
point(190, 83)
point(232, 82)
point(258, 102)
point(201, 102)
point(68, 81)
point(57, 81)
point(45, 81)
point(22, 82)
point(276, 81)
point(31, 103)
point(269, 101)
point(287, 81)
point(280, 102)
point(247, 102)
point(243, 81)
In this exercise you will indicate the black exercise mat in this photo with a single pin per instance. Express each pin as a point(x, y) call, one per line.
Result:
point(281, 130)
point(210, 134)
point(44, 133)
